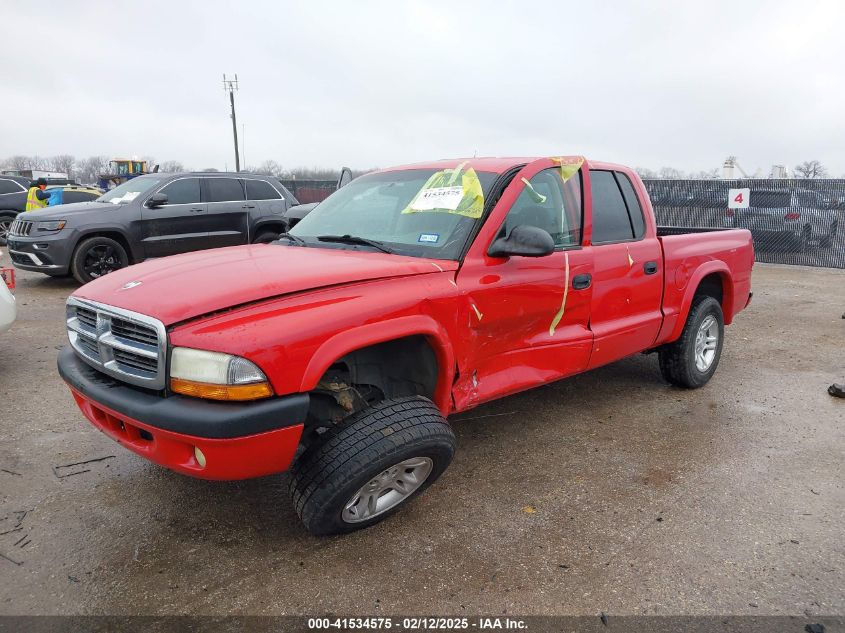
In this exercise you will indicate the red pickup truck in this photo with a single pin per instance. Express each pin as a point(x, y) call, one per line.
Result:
point(411, 294)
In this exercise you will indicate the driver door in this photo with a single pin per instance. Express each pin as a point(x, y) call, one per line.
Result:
point(178, 226)
point(525, 320)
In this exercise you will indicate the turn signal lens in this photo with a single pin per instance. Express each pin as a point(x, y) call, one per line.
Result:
point(233, 393)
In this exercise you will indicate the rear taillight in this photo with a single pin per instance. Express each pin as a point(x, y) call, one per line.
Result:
point(729, 213)
point(794, 215)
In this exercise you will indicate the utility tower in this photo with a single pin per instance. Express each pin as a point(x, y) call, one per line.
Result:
point(230, 86)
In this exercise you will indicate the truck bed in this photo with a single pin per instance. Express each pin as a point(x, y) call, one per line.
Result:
point(690, 254)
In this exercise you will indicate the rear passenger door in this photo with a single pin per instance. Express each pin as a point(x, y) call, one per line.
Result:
point(627, 271)
point(263, 198)
point(228, 211)
point(179, 225)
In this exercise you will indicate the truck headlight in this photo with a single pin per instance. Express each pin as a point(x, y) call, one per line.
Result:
point(216, 376)
point(45, 226)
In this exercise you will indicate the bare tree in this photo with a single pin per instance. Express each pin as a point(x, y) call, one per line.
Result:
point(269, 168)
point(64, 163)
point(18, 162)
point(706, 174)
point(172, 166)
point(209, 169)
point(89, 170)
point(671, 173)
point(645, 172)
point(810, 169)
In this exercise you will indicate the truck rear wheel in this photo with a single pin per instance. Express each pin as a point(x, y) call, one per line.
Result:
point(362, 472)
point(692, 360)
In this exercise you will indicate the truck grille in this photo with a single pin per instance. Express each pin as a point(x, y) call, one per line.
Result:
point(125, 345)
point(20, 228)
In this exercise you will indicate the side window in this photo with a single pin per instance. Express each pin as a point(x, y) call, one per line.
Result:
point(549, 204)
point(224, 189)
point(633, 203)
point(9, 186)
point(183, 191)
point(610, 216)
point(260, 190)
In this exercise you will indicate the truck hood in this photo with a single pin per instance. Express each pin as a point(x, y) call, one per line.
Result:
point(182, 287)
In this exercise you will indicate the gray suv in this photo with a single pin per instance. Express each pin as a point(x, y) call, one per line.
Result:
point(149, 216)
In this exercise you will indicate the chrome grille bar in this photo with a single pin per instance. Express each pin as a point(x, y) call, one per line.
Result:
point(123, 344)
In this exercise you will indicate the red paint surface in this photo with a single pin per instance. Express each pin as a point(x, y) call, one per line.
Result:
point(295, 310)
point(226, 459)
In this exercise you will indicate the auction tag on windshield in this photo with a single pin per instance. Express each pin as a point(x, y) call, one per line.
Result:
point(738, 198)
point(439, 198)
point(8, 276)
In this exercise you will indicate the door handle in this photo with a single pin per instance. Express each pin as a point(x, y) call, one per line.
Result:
point(650, 268)
point(582, 282)
point(248, 206)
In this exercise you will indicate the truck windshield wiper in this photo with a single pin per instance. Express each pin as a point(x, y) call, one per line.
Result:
point(295, 239)
point(354, 239)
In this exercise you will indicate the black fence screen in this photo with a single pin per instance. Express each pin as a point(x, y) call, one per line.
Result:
point(792, 221)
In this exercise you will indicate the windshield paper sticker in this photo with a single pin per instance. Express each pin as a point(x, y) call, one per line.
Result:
point(457, 191)
point(431, 238)
point(438, 198)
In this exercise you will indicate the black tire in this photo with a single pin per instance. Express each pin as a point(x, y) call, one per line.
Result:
point(678, 359)
point(6, 220)
point(804, 239)
point(827, 240)
point(265, 237)
point(96, 257)
point(329, 474)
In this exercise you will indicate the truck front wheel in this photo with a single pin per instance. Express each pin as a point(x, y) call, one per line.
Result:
point(692, 360)
point(362, 472)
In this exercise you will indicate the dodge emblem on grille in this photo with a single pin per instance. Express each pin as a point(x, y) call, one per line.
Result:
point(131, 284)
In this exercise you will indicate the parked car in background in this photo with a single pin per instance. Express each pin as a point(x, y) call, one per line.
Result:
point(8, 307)
point(56, 195)
point(13, 190)
point(410, 294)
point(794, 217)
point(296, 213)
point(149, 216)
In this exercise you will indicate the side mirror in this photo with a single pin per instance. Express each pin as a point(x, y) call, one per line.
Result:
point(524, 241)
point(157, 200)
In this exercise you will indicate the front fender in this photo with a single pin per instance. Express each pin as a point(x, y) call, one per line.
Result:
point(357, 338)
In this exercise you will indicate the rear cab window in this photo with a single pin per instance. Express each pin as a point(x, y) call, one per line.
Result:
point(611, 222)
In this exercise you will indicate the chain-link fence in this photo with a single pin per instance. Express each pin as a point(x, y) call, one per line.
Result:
point(793, 221)
point(307, 191)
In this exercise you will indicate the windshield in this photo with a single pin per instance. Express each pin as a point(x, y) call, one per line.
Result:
point(130, 189)
point(416, 212)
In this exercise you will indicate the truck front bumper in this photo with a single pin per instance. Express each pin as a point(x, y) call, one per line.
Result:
point(200, 438)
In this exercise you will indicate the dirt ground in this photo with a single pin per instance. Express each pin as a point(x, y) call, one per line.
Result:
point(609, 492)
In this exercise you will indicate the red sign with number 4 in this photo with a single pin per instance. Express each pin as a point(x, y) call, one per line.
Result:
point(8, 275)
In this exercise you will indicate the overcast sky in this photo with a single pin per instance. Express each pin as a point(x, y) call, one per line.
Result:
point(377, 83)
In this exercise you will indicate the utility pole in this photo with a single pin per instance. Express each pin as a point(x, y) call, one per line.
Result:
point(230, 85)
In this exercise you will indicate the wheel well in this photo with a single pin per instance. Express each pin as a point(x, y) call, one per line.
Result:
point(114, 235)
point(712, 286)
point(270, 226)
point(393, 369)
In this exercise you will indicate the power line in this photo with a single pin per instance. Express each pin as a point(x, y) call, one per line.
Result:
point(230, 85)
